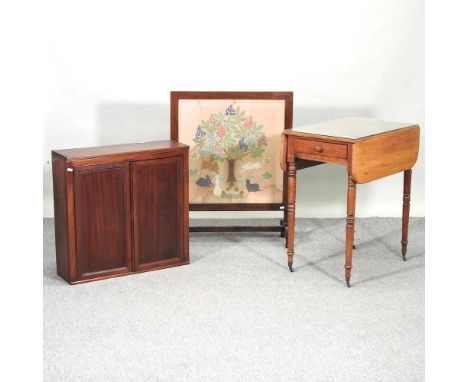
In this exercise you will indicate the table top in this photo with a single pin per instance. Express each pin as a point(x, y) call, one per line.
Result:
point(349, 129)
point(98, 151)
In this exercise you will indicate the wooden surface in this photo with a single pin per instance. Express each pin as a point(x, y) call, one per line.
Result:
point(350, 218)
point(157, 211)
point(102, 213)
point(87, 156)
point(97, 204)
point(321, 151)
point(114, 150)
point(300, 163)
point(235, 229)
point(348, 129)
point(60, 210)
point(236, 207)
point(406, 211)
point(370, 149)
point(291, 211)
point(384, 155)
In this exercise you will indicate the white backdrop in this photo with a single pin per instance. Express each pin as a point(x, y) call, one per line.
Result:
point(112, 66)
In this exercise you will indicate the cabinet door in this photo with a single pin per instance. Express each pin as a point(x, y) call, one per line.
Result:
point(157, 204)
point(103, 225)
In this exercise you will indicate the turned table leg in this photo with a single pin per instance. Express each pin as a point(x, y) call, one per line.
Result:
point(291, 208)
point(351, 206)
point(284, 222)
point(406, 210)
point(285, 225)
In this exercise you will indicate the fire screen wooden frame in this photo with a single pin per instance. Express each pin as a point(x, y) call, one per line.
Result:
point(234, 140)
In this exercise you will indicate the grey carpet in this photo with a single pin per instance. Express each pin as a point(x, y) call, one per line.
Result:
point(236, 313)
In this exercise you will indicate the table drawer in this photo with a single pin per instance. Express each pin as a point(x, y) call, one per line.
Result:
point(334, 150)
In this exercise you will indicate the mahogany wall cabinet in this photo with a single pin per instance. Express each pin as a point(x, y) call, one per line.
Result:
point(120, 209)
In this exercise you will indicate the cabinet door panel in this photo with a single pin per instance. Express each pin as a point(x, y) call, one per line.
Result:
point(157, 200)
point(102, 213)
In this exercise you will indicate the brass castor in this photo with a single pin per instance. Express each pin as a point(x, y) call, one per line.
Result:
point(290, 267)
point(348, 284)
point(404, 248)
point(403, 251)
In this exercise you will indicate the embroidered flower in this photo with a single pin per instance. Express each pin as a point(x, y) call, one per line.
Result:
point(262, 140)
point(200, 133)
point(243, 145)
point(230, 111)
point(248, 123)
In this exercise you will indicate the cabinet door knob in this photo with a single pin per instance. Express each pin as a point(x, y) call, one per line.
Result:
point(318, 149)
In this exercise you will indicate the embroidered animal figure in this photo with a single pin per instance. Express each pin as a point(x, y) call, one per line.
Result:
point(252, 187)
point(251, 166)
point(204, 182)
point(210, 164)
point(217, 189)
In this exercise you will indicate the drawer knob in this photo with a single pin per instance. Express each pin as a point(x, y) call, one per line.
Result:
point(318, 149)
